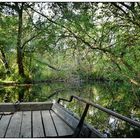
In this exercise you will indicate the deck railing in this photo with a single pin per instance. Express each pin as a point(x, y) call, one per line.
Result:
point(108, 111)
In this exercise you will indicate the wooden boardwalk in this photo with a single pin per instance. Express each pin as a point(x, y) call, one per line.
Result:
point(31, 121)
point(32, 124)
point(39, 120)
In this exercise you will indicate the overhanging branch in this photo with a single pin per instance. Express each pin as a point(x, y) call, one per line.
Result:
point(70, 31)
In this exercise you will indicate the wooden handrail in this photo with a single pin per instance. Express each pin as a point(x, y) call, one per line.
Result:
point(117, 115)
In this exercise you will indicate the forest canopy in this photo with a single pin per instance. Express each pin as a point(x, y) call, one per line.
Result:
point(54, 40)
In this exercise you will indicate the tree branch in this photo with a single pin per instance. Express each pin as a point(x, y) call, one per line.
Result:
point(50, 66)
point(126, 14)
point(30, 39)
point(77, 37)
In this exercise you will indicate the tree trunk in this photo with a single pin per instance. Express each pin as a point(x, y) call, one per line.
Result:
point(19, 38)
point(5, 61)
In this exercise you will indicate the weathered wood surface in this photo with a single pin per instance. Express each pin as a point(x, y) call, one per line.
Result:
point(29, 106)
point(4, 125)
point(62, 128)
point(48, 124)
point(40, 120)
point(6, 107)
point(26, 125)
point(69, 118)
point(14, 126)
point(37, 125)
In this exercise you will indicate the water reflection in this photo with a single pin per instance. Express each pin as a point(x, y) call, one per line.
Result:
point(121, 98)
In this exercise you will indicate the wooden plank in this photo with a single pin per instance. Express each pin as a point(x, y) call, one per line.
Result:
point(37, 125)
point(48, 124)
point(73, 121)
point(14, 126)
point(4, 124)
point(66, 116)
point(35, 106)
point(26, 106)
point(26, 125)
point(62, 128)
point(7, 107)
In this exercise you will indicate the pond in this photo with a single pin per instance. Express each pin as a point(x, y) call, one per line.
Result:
point(119, 97)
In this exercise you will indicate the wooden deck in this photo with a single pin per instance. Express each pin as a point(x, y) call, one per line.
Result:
point(39, 120)
point(33, 124)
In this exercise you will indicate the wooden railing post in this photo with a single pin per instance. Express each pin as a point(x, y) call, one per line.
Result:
point(81, 122)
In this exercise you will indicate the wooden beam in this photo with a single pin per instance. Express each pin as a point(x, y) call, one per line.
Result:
point(26, 106)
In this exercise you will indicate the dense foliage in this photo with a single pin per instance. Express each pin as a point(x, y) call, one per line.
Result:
point(77, 44)
point(40, 41)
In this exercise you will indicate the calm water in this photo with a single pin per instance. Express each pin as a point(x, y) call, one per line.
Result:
point(121, 98)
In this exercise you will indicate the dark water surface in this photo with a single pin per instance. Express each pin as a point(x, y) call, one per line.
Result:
point(121, 98)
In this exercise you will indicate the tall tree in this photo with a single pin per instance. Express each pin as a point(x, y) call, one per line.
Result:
point(19, 8)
